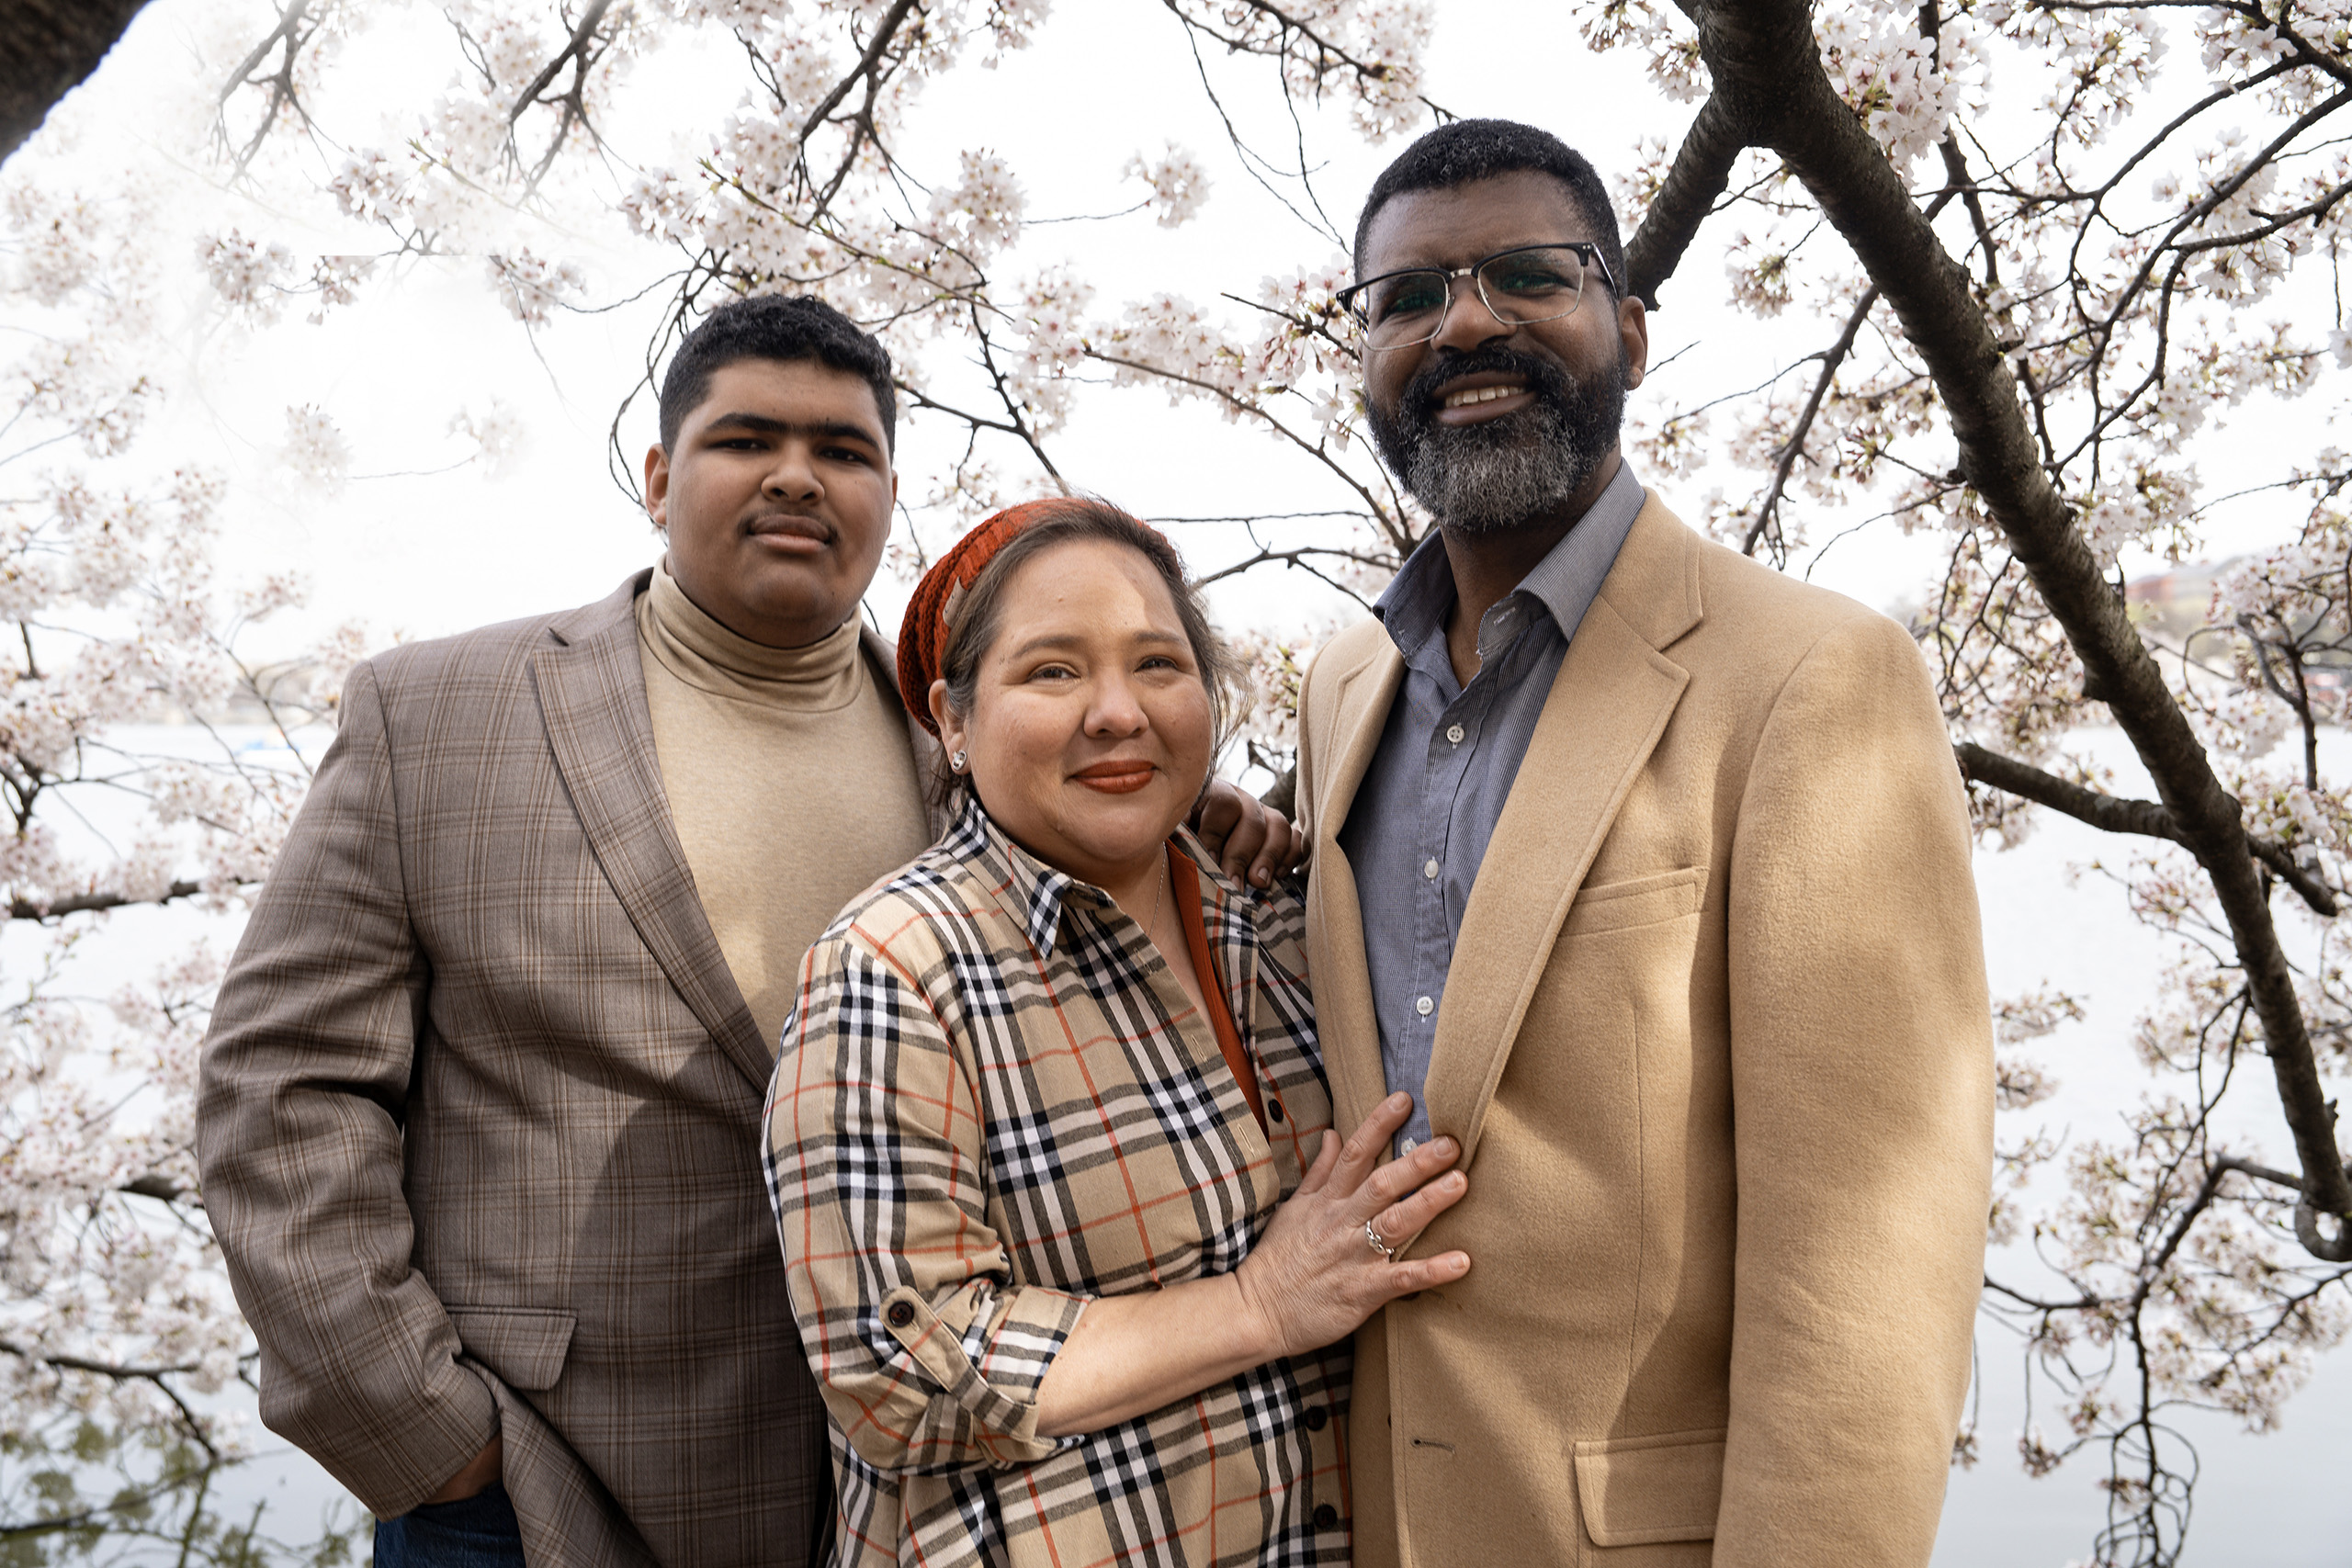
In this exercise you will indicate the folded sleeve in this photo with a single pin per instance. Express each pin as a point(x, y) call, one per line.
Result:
point(928, 1355)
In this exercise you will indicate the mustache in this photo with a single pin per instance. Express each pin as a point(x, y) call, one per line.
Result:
point(1546, 380)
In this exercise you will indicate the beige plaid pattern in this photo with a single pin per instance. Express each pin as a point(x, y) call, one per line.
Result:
point(475, 1125)
point(993, 1104)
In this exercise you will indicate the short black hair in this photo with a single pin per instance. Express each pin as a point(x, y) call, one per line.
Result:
point(1467, 150)
point(773, 326)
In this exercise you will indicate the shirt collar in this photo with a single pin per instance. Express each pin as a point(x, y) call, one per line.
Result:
point(1034, 893)
point(1025, 887)
point(1566, 581)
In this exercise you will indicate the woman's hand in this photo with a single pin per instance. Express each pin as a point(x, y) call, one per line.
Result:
point(1311, 1279)
point(1316, 1275)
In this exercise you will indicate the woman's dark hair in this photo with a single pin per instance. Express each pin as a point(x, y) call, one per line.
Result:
point(780, 327)
point(978, 616)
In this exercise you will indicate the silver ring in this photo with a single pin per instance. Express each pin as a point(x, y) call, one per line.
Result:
point(1378, 1243)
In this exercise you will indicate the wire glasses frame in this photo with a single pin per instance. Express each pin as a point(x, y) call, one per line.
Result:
point(1402, 309)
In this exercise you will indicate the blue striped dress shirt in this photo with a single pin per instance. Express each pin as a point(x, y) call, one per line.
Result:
point(1418, 827)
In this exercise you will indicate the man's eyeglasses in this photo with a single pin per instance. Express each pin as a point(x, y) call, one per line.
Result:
point(1533, 283)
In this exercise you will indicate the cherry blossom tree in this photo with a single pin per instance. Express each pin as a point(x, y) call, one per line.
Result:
point(2019, 273)
point(116, 1333)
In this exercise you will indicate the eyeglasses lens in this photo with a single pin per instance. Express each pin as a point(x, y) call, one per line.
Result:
point(1540, 284)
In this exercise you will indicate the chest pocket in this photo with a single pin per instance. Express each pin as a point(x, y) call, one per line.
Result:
point(1640, 901)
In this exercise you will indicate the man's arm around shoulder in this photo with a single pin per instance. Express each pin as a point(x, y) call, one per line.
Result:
point(305, 1071)
point(1862, 1108)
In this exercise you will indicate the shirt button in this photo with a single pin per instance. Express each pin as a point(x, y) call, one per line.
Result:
point(1326, 1516)
point(1274, 1109)
point(1317, 1418)
point(1454, 733)
point(900, 1314)
point(1405, 1146)
point(1423, 1006)
point(1429, 869)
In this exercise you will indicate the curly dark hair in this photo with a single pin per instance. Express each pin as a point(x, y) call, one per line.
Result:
point(773, 326)
point(1467, 150)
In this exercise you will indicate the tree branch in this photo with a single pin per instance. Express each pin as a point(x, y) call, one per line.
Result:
point(84, 903)
point(2112, 814)
point(883, 32)
point(1702, 169)
point(289, 32)
point(575, 47)
point(103, 1369)
point(1768, 515)
point(47, 47)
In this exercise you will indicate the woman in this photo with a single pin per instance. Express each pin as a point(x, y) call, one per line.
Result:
point(1074, 1251)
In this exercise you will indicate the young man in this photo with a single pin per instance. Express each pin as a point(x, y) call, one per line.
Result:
point(478, 1111)
point(1645, 869)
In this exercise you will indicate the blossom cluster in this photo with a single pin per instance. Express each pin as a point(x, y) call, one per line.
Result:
point(114, 1311)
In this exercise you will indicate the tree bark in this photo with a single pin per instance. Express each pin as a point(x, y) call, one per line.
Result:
point(1770, 87)
point(1702, 169)
point(47, 47)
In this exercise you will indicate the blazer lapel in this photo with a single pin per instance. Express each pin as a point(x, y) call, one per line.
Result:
point(592, 692)
point(1608, 707)
point(1343, 982)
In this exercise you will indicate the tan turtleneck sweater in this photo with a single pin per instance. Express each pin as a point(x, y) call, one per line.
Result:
point(789, 777)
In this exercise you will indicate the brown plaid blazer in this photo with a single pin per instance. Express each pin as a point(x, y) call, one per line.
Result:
point(478, 1120)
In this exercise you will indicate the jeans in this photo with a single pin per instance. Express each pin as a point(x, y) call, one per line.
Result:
point(481, 1531)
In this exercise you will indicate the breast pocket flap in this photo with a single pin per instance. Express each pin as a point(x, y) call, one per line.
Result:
point(525, 1346)
point(1637, 1490)
point(1637, 901)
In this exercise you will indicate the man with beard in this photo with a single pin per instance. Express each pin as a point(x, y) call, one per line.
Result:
point(1644, 870)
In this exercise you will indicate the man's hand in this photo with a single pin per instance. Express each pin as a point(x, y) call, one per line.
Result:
point(480, 1471)
point(1254, 843)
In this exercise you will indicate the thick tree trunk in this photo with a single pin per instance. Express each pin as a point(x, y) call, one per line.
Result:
point(47, 47)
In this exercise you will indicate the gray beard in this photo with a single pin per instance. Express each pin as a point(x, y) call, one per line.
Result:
point(1481, 486)
point(1500, 475)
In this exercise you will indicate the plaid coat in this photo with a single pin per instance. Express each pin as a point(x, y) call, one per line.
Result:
point(992, 1104)
point(476, 1121)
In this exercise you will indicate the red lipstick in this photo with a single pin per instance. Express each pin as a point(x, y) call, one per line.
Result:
point(1115, 777)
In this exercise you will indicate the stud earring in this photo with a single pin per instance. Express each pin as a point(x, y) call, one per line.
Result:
point(955, 763)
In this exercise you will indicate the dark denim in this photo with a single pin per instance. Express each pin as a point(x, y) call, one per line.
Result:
point(481, 1531)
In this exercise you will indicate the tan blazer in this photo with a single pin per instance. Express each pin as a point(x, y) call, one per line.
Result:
point(479, 1118)
point(1716, 1043)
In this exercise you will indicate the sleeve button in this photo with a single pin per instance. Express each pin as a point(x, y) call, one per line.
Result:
point(900, 1313)
point(1326, 1516)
